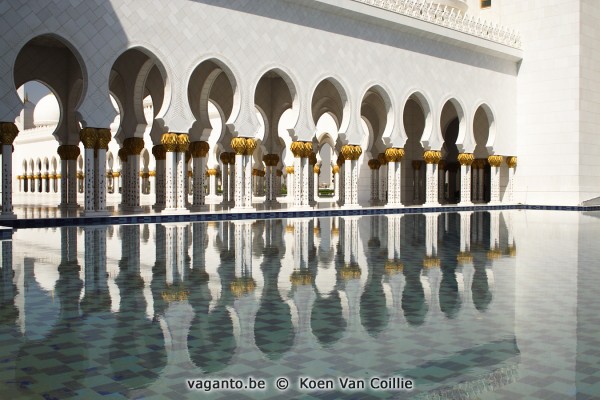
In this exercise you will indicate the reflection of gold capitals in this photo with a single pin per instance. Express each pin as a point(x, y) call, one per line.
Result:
point(199, 149)
point(466, 158)
point(494, 254)
point(175, 293)
point(159, 152)
point(289, 228)
point(495, 161)
point(393, 267)
point(316, 230)
point(289, 170)
point(169, 141)
point(464, 257)
point(431, 262)
point(350, 271)
point(8, 132)
point(432, 156)
point(301, 278)
point(242, 286)
point(511, 162)
point(335, 231)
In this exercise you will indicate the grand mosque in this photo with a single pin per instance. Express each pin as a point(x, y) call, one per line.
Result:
point(389, 103)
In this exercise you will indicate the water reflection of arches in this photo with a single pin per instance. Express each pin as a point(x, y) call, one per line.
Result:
point(413, 297)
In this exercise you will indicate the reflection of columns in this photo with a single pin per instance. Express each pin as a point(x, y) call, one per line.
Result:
point(199, 150)
point(134, 146)
point(432, 158)
point(244, 147)
point(465, 160)
point(431, 234)
point(495, 163)
point(351, 154)
point(393, 157)
point(374, 165)
point(494, 229)
point(68, 175)
point(243, 283)
point(224, 178)
point(416, 165)
point(465, 231)
point(8, 133)
point(160, 155)
point(302, 151)
point(512, 165)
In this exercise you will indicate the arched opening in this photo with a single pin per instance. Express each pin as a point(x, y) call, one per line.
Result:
point(327, 137)
point(417, 121)
point(483, 124)
point(449, 168)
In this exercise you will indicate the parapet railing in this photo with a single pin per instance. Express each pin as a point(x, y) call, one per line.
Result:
point(450, 17)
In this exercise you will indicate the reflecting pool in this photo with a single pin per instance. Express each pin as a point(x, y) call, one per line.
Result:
point(498, 304)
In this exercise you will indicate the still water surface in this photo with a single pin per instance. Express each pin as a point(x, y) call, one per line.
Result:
point(464, 305)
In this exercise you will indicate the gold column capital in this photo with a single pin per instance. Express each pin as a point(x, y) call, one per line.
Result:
point(317, 169)
point(68, 152)
point(511, 161)
point(183, 142)
point(212, 172)
point(250, 146)
point(103, 138)
point(123, 154)
point(495, 160)
point(88, 137)
point(134, 145)
point(8, 132)
point(466, 159)
point(169, 141)
point(374, 164)
point(335, 169)
point(238, 145)
point(159, 152)
point(432, 156)
point(297, 149)
point(289, 170)
point(199, 149)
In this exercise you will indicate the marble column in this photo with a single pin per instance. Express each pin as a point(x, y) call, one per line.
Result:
point(134, 146)
point(510, 188)
point(8, 133)
point(271, 161)
point(311, 176)
point(183, 145)
point(88, 137)
point(432, 158)
point(393, 157)
point(68, 175)
point(160, 156)
point(315, 185)
point(382, 178)
point(169, 141)
point(297, 149)
point(351, 154)
point(441, 167)
point(231, 178)
point(224, 178)
point(244, 147)
point(416, 165)
point(103, 138)
point(199, 150)
point(374, 165)
point(465, 160)
point(123, 156)
point(335, 170)
point(495, 163)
